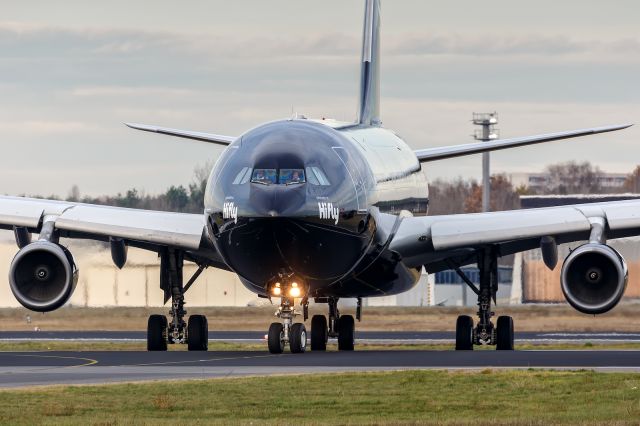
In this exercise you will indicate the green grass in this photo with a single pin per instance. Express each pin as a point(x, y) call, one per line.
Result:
point(407, 397)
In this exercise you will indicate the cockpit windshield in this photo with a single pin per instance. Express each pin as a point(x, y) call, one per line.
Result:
point(264, 176)
point(291, 176)
point(281, 176)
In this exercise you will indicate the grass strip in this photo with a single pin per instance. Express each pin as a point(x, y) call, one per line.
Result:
point(405, 397)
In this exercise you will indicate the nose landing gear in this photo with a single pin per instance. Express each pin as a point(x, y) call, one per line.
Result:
point(281, 334)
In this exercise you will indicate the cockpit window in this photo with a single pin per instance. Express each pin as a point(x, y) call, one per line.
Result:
point(312, 175)
point(243, 176)
point(264, 176)
point(315, 176)
point(291, 176)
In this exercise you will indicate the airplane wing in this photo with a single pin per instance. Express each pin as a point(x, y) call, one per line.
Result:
point(146, 229)
point(441, 153)
point(199, 136)
point(436, 241)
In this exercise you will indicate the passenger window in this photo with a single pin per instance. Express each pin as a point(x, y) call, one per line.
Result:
point(291, 176)
point(264, 176)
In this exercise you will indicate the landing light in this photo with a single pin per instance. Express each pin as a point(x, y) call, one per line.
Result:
point(294, 291)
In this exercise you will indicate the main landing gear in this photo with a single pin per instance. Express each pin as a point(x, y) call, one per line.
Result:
point(340, 326)
point(485, 333)
point(161, 332)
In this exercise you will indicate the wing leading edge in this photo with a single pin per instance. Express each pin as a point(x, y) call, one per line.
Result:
point(90, 221)
point(198, 136)
point(441, 153)
point(429, 240)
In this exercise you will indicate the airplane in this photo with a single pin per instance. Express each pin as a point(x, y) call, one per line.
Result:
point(316, 209)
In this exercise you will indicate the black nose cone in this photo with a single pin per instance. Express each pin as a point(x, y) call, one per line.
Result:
point(277, 200)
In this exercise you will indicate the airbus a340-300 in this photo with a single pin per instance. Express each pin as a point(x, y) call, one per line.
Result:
point(304, 209)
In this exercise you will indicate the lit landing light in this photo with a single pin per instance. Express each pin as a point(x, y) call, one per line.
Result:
point(294, 291)
point(276, 290)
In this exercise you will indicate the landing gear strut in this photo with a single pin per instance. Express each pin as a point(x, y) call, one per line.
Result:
point(161, 332)
point(281, 334)
point(485, 333)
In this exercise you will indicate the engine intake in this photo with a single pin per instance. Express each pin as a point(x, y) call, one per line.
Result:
point(43, 276)
point(594, 277)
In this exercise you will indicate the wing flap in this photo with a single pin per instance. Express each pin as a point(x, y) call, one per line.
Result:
point(199, 136)
point(441, 153)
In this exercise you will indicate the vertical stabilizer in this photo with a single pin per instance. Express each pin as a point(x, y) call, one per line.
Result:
point(369, 108)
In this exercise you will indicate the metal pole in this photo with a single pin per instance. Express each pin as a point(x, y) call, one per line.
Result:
point(486, 183)
point(487, 133)
point(486, 172)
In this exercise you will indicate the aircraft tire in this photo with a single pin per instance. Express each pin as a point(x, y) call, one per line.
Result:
point(319, 333)
point(274, 338)
point(505, 334)
point(198, 333)
point(464, 333)
point(346, 333)
point(157, 333)
point(298, 338)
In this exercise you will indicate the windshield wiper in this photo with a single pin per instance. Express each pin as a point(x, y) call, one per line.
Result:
point(260, 182)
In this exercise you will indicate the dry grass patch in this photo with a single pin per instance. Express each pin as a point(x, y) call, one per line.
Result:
point(527, 318)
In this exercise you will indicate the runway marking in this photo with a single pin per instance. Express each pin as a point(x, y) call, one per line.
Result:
point(89, 360)
point(196, 360)
point(37, 369)
point(591, 334)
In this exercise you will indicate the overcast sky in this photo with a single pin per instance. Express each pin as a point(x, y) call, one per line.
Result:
point(72, 71)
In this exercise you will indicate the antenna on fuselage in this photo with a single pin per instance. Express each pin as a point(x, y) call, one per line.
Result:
point(369, 101)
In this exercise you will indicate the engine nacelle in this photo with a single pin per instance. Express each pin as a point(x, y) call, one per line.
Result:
point(594, 277)
point(43, 276)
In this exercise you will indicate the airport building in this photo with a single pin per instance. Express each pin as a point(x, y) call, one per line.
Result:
point(613, 182)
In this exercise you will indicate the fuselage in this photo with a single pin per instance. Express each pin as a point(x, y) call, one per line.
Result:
point(295, 197)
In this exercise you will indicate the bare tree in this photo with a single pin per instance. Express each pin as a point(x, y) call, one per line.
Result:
point(449, 197)
point(74, 194)
point(632, 184)
point(573, 178)
point(503, 196)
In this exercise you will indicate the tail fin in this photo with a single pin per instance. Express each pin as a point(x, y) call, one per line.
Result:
point(369, 108)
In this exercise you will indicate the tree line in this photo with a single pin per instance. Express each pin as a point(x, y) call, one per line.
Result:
point(445, 196)
point(465, 195)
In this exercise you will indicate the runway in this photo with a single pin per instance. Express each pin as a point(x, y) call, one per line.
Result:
point(19, 369)
point(362, 336)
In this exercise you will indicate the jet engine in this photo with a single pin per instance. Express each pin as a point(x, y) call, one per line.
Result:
point(594, 277)
point(43, 276)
